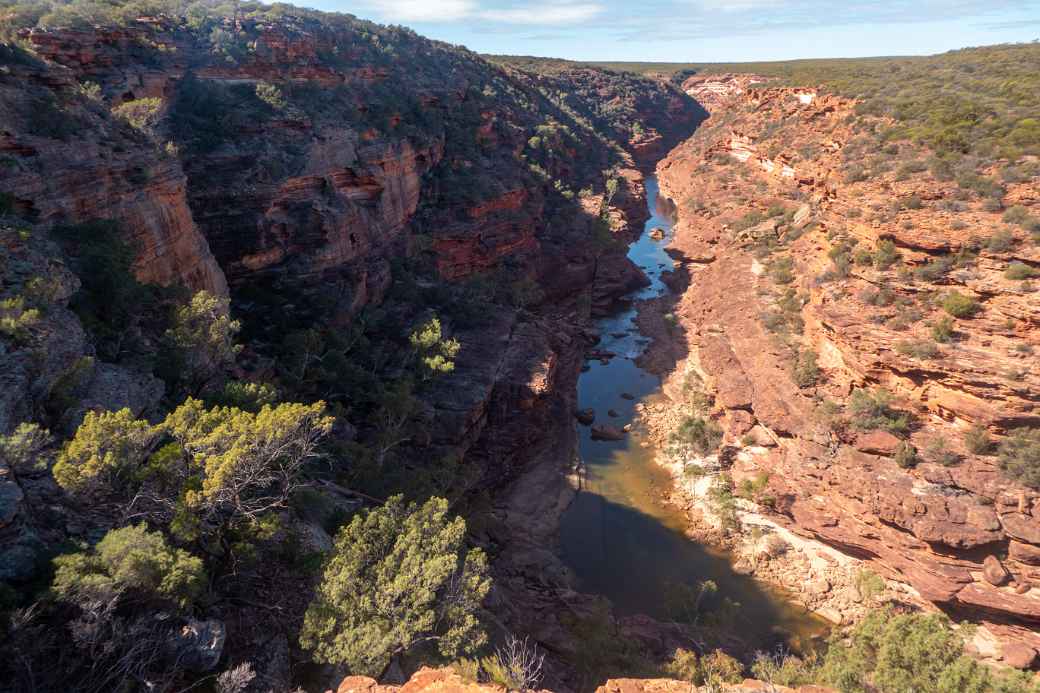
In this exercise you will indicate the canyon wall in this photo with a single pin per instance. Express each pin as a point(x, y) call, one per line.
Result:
point(306, 167)
point(802, 283)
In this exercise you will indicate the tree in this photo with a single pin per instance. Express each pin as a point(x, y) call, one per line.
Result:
point(204, 333)
point(248, 463)
point(129, 558)
point(397, 580)
point(107, 448)
point(436, 355)
point(221, 463)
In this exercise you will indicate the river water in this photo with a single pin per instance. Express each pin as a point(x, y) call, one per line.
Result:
point(618, 536)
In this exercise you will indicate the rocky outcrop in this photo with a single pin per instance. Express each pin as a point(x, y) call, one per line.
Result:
point(450, 681)
point(758, 286)
point(80, 165)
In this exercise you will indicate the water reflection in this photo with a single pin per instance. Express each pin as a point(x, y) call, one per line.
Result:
point(618, 537)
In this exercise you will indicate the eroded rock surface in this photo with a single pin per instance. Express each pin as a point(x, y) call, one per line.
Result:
point(764, 198)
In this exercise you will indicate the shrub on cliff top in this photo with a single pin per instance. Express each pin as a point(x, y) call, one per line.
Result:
point(1019, 456)
point(398, 578)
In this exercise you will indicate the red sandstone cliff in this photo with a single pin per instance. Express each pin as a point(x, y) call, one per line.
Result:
point(754, 292)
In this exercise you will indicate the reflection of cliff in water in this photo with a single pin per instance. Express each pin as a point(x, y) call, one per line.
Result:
point(618, 536)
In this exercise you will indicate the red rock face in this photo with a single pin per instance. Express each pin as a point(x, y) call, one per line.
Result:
point(114, 176)
point(930, 526)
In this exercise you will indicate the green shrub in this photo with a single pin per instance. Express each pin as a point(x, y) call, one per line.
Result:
point(1000, 242)
point(938, 452)
point(24, 448)
point(942, 329)
point(17, 320)
point(130, 558)
point(890, 652)
point(869, 584)
point(934, 269)
point(1018, 215)
point(806, 370)
point(723, 504)
point(105, 452)
point(203, 334)
point(918, 348)
point(960, 306)
point(685, 666)
point(886, 254)
point(434, 354)
point(871, 411)
point(784, 669)
point(1019, 456)
point(1020, 270)
point(142, 114)
point(696, 435)
point(782, 270)
point(398, 577)
point(978, 441)
point(906, 455)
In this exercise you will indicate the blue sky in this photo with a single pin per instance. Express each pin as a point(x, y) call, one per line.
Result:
point(706, 30)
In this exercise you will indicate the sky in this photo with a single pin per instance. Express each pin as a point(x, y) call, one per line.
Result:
point(706, 30)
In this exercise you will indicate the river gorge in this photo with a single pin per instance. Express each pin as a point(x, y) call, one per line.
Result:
point(619, 536)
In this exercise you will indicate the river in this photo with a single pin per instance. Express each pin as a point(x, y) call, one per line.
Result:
point(619, 537)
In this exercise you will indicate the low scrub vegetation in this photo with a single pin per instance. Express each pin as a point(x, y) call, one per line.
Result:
point(1019, 456)
point(872, 410)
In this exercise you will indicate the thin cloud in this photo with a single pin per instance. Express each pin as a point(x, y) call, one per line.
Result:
point(546, 15)
point(445, 11)
point(423, 10)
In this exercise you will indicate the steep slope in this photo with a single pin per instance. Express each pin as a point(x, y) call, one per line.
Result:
point(854, 301)
point(345, 185)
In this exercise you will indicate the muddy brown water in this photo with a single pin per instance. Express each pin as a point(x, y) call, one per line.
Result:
point(619, 537)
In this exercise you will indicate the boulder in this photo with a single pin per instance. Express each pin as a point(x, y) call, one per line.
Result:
point(801, 217)
point(1022, 527)
point(819, 587)
point(585, 416)
point(759, 436)
point(1024, 553)
point(657, 233)
point(878, 443)
point(613, 413)
point(993, 571)
point(200, 644)
point(1018, 655)
point(627, 395)
point(607, 433)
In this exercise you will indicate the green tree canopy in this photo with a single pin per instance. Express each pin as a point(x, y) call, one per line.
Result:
point(129, 558)
point(398, 578)
point(219, 463)
point(204, 333)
